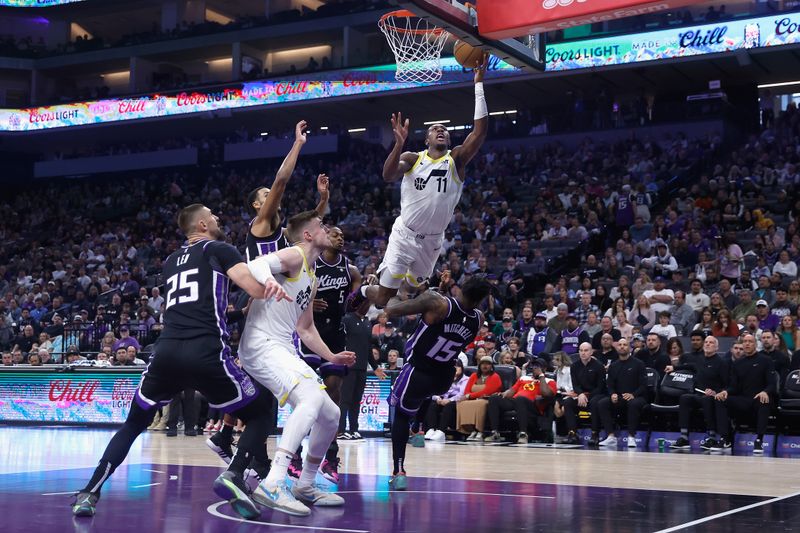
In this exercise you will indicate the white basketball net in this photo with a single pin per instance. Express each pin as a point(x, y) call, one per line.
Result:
point(417, 46)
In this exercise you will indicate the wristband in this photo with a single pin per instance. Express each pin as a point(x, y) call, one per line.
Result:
point(481, 110)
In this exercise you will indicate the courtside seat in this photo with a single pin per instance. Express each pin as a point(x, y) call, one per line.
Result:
point(672, 386)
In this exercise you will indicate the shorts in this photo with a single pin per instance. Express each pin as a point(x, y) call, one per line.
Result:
point(276, 365)
point(415, 385)
point(204, 364)
point(334, 339)
point(409, 257)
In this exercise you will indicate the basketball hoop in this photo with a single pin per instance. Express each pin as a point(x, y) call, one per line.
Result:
point(417, 46)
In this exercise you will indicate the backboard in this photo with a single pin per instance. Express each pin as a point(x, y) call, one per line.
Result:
point(461, 19)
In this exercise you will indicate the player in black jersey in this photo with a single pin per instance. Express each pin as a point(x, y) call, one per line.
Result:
point(336, 279)
point(266, 234)
point(446, 327)
point(192, 351)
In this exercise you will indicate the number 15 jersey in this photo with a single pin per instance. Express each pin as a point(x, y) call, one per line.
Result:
point(436, 346)
point(429, 194)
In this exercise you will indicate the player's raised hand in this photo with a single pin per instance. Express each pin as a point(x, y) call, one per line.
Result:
point(273, 289)
point(323, 184)
point(300, 132)
point(318, 304)
point(344, 358)
point(400, 128)
point(480, 68)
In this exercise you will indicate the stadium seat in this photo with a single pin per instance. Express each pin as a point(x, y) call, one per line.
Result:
point(672, 386)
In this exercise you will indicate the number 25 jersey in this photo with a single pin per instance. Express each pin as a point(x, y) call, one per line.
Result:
point(436, 346)
point(429, 194)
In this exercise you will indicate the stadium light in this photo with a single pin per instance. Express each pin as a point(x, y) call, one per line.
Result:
point(356, 130)
point(432, 122)
point(781, 84)
point(264, 133)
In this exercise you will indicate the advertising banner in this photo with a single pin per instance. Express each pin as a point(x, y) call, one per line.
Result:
point(74, 397)
point(36, 3)
point(775, 30)
point(374, 410)
point(505, 19)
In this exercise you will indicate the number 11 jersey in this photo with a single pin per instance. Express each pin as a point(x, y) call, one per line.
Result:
point(436, 346)
point(429, 194)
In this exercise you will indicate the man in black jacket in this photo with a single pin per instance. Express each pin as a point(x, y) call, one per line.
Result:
point(711, 375)
point(588, 383)
point(752, 381)
point(652, 355)
point(359, 340)
point(771, 344)
point(627, 389)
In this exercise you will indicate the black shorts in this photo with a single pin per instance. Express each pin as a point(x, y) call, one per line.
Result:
point(415, 385)
point(334, 339)
point(204, 364)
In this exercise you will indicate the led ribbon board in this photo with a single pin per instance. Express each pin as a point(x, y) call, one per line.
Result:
point(36, 3)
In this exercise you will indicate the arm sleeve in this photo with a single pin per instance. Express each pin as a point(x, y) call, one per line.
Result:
point(260, 268)
point(611, 380)
point(600, 386)
point(470, 382)
point(222, 256)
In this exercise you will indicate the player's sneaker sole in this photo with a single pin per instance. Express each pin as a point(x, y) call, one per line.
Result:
point(229, 488)
point(398, 482)
point(224, 453)
point(316, 497)
point(85, 504)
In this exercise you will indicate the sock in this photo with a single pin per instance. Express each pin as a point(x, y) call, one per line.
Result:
point(761, 436)
point(685, 433)
point(280, 465)
point(226, 432)
point(101, 473)
point(399, 439)
point(309, 473)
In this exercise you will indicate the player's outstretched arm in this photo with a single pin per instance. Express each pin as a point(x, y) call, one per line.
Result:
point(242, 277)
point(464, 153)
point(270, 207)
point(398, 162)
point(308, 333)
point(323, 188)
point(432, 306)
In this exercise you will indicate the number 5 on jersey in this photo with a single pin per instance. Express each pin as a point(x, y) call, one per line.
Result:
point(177, 286)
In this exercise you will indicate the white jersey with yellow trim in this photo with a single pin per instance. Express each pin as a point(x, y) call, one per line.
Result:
point(429, 194)
point(277, 320)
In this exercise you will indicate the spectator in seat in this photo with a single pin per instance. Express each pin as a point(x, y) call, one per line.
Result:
point(606, 327)
point(121, 357)
point(772, 348)
point(682, 314)
point(441, 414)
point(662, 263)
point(7, 359)
point(592, 326)
point(571, 337)
point(559, 322)
point(34, 359)
point(539, 339)
point(531, 396)
point(697, 299)
point(584, 308)
point(785, 266)
point(125, 340)
point(766, 320)
point(748, 393)
point(711, 375)
point(25, 341)
point(507, 332)
point(588, 383)
point(724, 325)
point(652, 355)
point(380, 328)
point(746, 306)
point(706, 322)
point(624, 327)
point(782, 306)
point(789, 333)
point(627, 389)
point(390, 340)
point(490, 345)
point(392, 360)
point(729, 298)
point(642, 314)
point(607, 351)
point(675, 354)
point(660, 297)
point(471, 411)
point(518, 357)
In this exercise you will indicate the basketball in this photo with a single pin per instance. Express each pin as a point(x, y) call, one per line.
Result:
point(467, 55)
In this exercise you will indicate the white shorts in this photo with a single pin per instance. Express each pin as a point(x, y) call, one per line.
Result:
point(409, 257)
point(275, 365)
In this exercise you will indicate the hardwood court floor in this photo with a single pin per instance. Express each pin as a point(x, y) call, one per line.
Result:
point(165, 486)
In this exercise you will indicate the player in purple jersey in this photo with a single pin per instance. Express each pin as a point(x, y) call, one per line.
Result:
point(446, 327)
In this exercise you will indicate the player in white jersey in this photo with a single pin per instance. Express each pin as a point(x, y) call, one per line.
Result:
point(268, 354)
point(432, 183)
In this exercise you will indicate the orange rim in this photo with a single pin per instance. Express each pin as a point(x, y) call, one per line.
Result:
point(404, 13)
